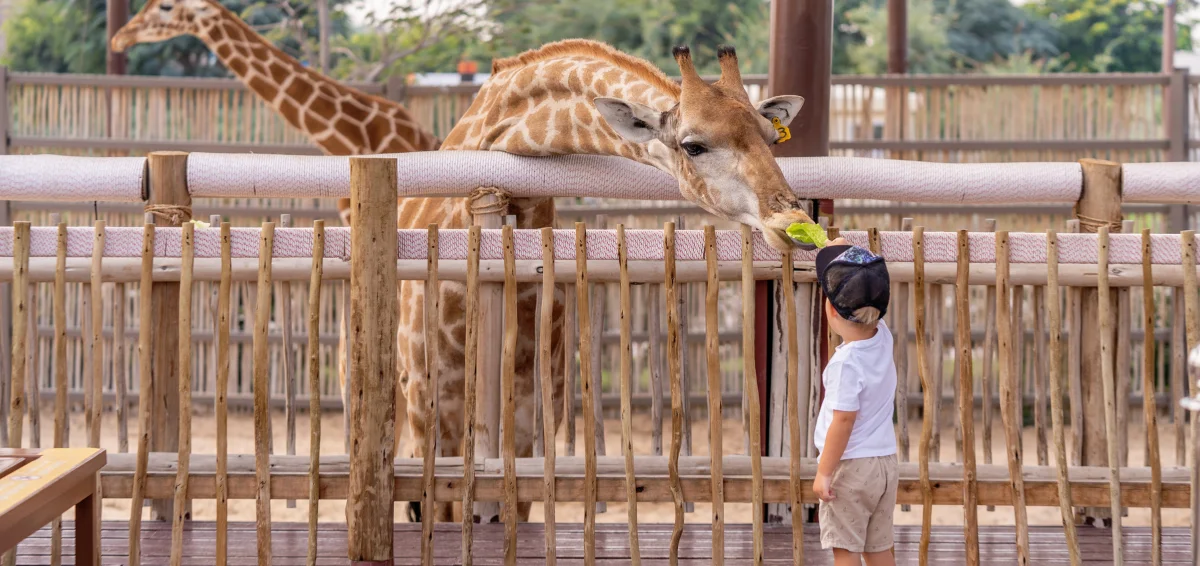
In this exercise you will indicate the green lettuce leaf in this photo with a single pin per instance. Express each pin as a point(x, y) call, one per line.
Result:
point(808, 234)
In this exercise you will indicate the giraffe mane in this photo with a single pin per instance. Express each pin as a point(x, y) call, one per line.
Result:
point(596, 50)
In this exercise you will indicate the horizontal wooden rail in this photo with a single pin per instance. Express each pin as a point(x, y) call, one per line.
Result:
point(144, 146)
point(128, 270)
point(290, 474)
point(1002, 145)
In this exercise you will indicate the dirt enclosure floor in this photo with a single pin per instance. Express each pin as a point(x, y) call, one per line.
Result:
point(241, 441)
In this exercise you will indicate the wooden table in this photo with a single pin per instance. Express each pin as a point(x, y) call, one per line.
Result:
point(36, 486)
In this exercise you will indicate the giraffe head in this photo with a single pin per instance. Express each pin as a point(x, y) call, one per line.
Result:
point(718, 146)
point(161, 20)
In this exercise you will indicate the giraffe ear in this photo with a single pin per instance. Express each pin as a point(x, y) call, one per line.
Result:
point(633, 121)
point(784, 107)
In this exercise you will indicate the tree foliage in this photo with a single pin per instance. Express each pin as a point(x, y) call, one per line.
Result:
point(1122, 36)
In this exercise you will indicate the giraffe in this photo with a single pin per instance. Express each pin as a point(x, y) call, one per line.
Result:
point(338, 119)
point(585, 97)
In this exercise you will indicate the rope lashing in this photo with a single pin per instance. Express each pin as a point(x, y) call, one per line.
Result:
point(1094, 224)
point(499, 206)
point(171, 213)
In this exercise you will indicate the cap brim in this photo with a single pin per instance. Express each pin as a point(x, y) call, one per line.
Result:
point(826, 256)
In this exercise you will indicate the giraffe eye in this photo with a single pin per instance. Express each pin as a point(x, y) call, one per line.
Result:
point(165, 7)
point(694, 149)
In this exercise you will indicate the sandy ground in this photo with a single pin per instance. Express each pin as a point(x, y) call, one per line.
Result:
point(241, 440)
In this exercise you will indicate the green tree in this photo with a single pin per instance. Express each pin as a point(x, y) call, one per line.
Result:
point(1123, 36)
point(928, 42)
point(982, 31)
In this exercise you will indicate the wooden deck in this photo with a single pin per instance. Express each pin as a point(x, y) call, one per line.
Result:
point(997, 545)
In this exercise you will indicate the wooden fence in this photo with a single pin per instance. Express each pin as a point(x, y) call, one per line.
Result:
point(1092, 286)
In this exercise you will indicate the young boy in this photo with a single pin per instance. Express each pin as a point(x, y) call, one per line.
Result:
point(856, 476)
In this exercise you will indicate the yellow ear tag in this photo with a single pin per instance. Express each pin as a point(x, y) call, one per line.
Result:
point(784, 133)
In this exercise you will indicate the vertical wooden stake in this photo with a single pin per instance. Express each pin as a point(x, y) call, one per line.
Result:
point(314, 378)
point(1039, 382)
point(185, 390)
point(989, 351)
point(97, 343)
point(433, 334)
point(1075, 363)
point(20, 334)
point(585, 370)
point(966, 400)
point(287, 358)
point(673, 352)
point(60, 392)
point(793, 402)
point(1054, 314)
point(120, 375)
point(373, 320)
point(222, 410)
point(145, 382)
point(626, 393)
point(1192, 321)
point(1110, 409)
point(751, 392)
point(712, 347)
point(1008, 413)
point(262, 409)
point(904, 291)
point(470, 377)
point(927, 388)
point(508, 397)
point(547, 392)
point(653, 327)
point(1149, 410)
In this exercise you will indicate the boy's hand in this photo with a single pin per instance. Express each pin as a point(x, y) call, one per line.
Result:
point(823, 487)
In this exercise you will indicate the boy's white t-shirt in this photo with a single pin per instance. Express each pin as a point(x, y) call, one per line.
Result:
point(861, 376)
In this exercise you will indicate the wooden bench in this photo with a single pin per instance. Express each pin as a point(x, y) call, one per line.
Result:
point(37, 486)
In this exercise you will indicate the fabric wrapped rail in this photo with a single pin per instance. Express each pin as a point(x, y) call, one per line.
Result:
point(72, 179)
point(1166, 183)
point(457, 173)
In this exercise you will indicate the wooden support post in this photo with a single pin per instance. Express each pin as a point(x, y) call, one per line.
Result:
point(491, 329)
point(1175, 120)
point(373, 321)
point(1099, 205)
point(171, 205)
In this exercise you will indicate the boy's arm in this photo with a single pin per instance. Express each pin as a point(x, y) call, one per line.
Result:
point(831, 455)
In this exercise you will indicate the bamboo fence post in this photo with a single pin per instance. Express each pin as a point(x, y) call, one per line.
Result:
point(470, 377)
point(224, 293)
point(20, 335)
point(966, 401)
point(937, 308)
point(95, 397)
point(1110, 409)
point(904, 293)
point(1192, 321)
point(432, 325)
point(145, 382)
point(751, 390)
point(1074, 363)
point(547, 392)
point(1008, 396)
point(314, 379)
point(1179, 376)
point(599, 303)
point(508, 399)
point(685, 366)
point(487, 385)
point(1054, 314)
point(171, 204)
point(1099, 205)
point(1149, 408)
point(60, 389)
point(712, 346)
point(793, 402)
point(287, 365)
point(589, 427)
point(626, 392)
point(673, 361)
point(927, 388)
point(1039, 383)
point(1123, 375)
point(183, 470)
point(373, 313)
point(985, 377)
point(120, 377)
point(1019, 366)
point(262, 414)
point(570, 335)
point(653, 325)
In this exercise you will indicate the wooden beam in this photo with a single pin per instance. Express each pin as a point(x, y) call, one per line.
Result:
point(118, 15)
point(373, 322)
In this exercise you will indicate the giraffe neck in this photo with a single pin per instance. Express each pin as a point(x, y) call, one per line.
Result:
point(545, 107)
point(341, 120)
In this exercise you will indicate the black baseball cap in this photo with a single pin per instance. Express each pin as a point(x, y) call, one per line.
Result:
point(852, 278)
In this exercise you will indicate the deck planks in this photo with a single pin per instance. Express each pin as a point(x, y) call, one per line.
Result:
point(290, 540)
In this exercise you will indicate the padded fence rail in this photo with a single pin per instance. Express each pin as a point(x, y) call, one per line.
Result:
point(72, 179)
point(1172, 182)
point(456, 173)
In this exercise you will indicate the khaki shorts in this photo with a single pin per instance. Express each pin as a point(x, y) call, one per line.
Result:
point(859, 519)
